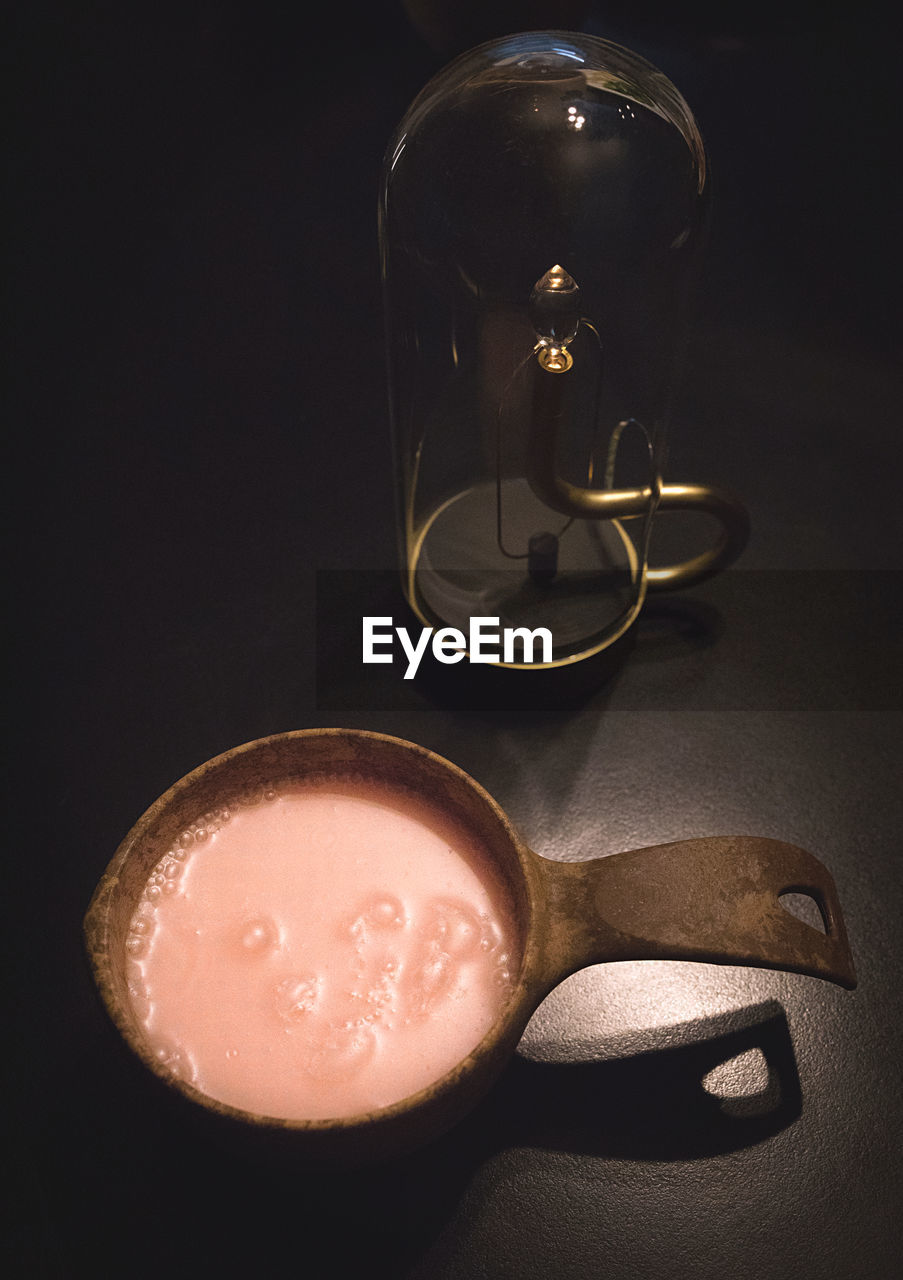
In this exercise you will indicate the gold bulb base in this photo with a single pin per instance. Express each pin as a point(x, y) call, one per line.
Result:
point(555, 359)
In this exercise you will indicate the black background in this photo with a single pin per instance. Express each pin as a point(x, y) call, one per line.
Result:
point(198, 431)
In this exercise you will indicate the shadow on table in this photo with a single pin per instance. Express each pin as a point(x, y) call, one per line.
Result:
point(117, 1176)
point(650, 1106)
point(679, 1103)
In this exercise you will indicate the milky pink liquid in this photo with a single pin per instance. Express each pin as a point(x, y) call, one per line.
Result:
point(321, 953)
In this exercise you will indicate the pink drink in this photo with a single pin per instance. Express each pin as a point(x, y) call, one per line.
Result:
point(325, 951)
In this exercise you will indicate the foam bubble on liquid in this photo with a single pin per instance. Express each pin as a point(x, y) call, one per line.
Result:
point(380, 995)
point(165, 874)
point(254, 794)
point(134, 976)
point(140, 1004)
point(297, 997)
point(173, 1058)
point(430, 977)
point(437, 977)
point(384, 912)
point(257, 936)
point(456, 927)
point(381, 913)
point(502, 973)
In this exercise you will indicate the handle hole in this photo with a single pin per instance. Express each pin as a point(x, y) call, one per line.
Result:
point(805, 907)
point(744, 1084)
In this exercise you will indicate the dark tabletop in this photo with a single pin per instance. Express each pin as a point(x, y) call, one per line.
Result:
point(200, 435)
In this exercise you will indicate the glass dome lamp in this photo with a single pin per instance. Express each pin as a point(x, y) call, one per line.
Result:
point(542, 211)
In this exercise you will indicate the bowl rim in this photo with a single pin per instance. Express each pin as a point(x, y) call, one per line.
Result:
point(498, 1041)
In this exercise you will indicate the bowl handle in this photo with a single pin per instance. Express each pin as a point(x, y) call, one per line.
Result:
point(714, 899)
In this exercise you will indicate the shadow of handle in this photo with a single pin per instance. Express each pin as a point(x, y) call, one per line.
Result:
point(734, 520)
point(714, 899)
point(656, 1105)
